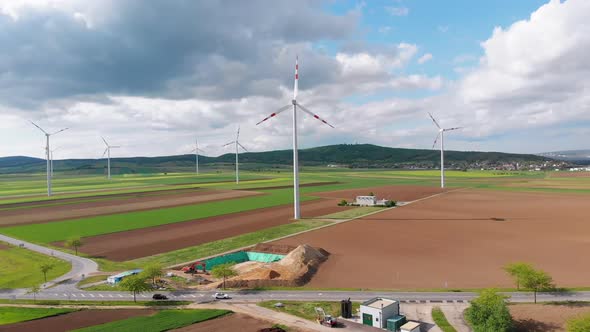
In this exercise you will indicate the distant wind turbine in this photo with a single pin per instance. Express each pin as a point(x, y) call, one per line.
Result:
point(441, 134)
point(196, 150)
point(51, 160)
point(295, 104)
point(48, 154)
point(107, 151)
point(238, 145)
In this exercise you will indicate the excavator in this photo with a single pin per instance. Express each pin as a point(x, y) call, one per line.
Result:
point(194, 267)
point(325, 319)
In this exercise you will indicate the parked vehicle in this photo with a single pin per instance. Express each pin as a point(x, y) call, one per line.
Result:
point(221, 296)
point(160, 297)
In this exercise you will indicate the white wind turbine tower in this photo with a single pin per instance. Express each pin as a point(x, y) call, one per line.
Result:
point(51, 160)
point(295, 104)
point(196, 150)
point(238, 145)
point(48, 154)
point(441, 134)
point(107, 151)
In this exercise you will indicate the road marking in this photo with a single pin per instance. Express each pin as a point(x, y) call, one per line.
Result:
point(110, 295)
point(119, 295)
point(65, 295)
point(193, 296)
point(100, 295)
point(82, 295)
point(55, 294)
point(201, 295)
point(73, 295)
point(91, 295)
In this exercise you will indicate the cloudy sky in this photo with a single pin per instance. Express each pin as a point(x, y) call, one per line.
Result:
point(153, 75)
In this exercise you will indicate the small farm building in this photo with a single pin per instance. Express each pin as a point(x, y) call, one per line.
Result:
point(376, 311)
point(118, 277)
point(410, 327)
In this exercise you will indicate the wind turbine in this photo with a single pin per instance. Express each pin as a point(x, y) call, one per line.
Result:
point(238, 145)
point(296, 105)
point(51, 160)
point(48, 154)
point(196, 151)
point(108, 152)
point(441, 134)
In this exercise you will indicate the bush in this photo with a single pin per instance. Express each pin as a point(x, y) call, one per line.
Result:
point(489, 312)
point(579, 324)
point(390, 203)
point(343, 203)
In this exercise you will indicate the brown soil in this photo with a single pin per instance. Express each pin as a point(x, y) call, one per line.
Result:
point(232, 322)
point(545, 317)
point(295, 269)
point(4, 246)
point(396, 193)
point(460, 239)
point(110, 206)
point(273, 248)
point(581, 174)
point(75, 320)
point(313, 184)
point(154, 240)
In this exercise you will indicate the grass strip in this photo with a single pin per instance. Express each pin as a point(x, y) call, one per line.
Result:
point(162, 321)
point(441, 321)
point(111, 303)
point(10, 315)
point(20, 268)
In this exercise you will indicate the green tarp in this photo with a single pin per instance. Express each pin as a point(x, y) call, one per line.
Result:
point(242, 256)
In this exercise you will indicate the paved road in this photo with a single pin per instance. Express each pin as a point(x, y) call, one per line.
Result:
point(80, 265)
point(64, 292)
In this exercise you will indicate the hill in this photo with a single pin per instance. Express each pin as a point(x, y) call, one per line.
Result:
point(580, 156)
point(343, 155)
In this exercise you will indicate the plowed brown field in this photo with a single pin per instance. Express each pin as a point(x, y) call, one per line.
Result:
point(233, 322)
point(397, 193)
point(110, 206)
point(460, 239)
point(154, 240)
point(75, 320)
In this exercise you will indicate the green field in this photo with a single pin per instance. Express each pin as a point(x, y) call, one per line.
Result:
point(9, 315)
point(19, 268)
point(162, 321)
point(441, 321)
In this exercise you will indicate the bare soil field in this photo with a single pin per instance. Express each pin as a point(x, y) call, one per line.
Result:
point(460, 239)
point(4, 246)
point(149, 241)
point(397, 193)
point(570, 174)
point(75, 320)
point(232, 322)
point(545, 317)
point(105, 207)
point(303, 185)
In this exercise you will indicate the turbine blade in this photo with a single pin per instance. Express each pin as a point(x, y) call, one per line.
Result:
point(314, 115)
point(105, 141)
point(436, 140)
point(34, 124)
point(238, 135)
point(105, 152)
point(433, 120)
point(280, 110)
point(243, 147)
point(296, 84)
point(232, 142)
point(454, 128)
point(59, 131)
point(115, 146)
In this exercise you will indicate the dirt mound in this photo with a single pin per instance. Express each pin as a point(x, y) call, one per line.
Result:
point(269, 248)
point(295, 269)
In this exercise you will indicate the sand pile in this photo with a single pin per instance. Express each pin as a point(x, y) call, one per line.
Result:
point(295, 269)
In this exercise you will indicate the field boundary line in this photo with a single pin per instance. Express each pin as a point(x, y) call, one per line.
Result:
point(331, 224)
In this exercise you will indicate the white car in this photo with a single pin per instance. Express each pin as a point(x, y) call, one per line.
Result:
point(221, 296)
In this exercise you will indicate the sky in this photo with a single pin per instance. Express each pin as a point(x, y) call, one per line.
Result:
point(153, 76)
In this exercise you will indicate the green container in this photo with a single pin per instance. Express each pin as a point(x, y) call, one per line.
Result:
point(396, 322)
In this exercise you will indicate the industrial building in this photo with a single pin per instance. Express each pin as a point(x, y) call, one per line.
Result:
point(410, 327)
point(376, 311)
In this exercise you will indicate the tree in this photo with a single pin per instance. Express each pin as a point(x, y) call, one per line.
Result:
point(489, 312)
point(35, 290)
point(537, 280)
point(135, 285)
point(518, 271)
point(152, 272)
point(224, 271)
point(74, 242)
point(579, 324)
point(371, 194)
point(46, 267)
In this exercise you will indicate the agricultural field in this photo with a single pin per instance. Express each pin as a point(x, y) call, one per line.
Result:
point(457, 240)
point(11, 315)
point(175, 218)
point(21, 267)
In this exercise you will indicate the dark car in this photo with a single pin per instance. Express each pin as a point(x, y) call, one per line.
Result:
point(160, 297)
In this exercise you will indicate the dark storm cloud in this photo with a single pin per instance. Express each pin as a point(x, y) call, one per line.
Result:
point(178, 49)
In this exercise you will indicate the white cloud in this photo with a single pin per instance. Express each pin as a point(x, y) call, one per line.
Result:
point(398, 11)
point(443, 28)
point(425, 58)
point(385, 29)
